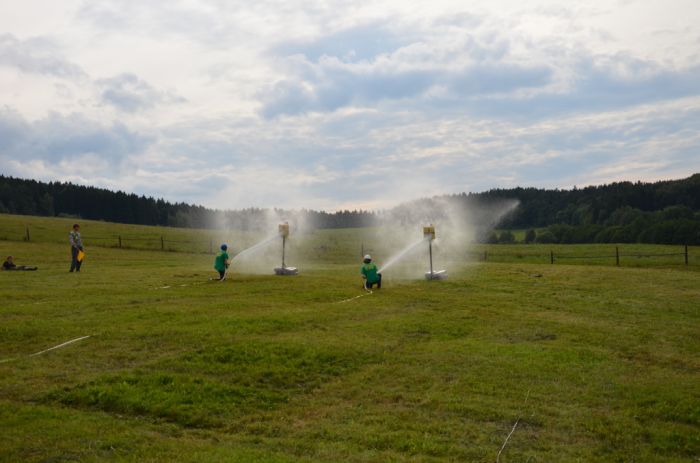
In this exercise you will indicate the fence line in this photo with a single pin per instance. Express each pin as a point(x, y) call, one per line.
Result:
point(552, 257)
point(119, 241)
point(654, 255)
point(585, 257)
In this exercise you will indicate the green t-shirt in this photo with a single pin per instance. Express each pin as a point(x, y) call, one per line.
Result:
point(220, 261)
point(370, 272)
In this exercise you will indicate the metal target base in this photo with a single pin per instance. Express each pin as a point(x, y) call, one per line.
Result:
point(437, 275)
point(286, 271)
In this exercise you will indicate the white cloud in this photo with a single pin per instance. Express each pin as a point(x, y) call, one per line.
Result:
point(36, 55)
point(129, 93)
point(58, 140)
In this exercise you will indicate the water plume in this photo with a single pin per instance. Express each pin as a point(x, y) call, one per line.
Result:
point(259, 246)
point(403, 253)
point(459, 223)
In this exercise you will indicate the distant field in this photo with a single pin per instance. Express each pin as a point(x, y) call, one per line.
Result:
point(107, 234)
point(595, 363)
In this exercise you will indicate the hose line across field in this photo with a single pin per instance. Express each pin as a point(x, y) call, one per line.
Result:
point(367, 293)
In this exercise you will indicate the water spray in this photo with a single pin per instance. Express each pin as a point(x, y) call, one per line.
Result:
point(283, 229)
point(429, 235)
point(404, 252)
point(251, 250)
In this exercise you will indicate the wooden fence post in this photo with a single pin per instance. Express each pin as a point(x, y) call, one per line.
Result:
point(686, 254)
point(617, 256)
point(486, 255)
point(120, 241)
point(551, 257)
point(162, 243)
point(26, 237)
point(362, 250)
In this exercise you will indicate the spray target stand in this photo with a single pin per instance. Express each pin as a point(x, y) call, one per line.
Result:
point(429, 235)
point(284, 234)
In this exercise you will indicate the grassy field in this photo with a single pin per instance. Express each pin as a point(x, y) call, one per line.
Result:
point(593, 363)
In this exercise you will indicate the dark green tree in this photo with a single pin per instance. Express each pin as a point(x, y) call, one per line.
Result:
point(506, 237)
point(530, 236)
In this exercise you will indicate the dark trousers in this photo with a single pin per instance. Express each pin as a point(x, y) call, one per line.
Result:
point(74, 264)
point(222, 274)
point(369, 285)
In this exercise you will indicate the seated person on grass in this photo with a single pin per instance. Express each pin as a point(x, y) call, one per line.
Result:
point(370, 274)
point(9, 264)
point(221, 262)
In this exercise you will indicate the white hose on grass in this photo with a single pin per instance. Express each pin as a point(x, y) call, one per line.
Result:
point(368, 293)
point(498, 457)
point(186, 284)
point(49, 349)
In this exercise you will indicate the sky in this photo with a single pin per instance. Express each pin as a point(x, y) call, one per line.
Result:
point(343, 104)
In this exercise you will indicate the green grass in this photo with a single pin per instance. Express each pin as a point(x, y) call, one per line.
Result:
point(599, 363)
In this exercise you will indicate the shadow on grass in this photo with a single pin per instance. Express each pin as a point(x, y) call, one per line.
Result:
point(208, 388)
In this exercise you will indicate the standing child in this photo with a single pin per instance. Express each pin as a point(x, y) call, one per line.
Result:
point(221, 262)
point(370, 273)
point(76, 248)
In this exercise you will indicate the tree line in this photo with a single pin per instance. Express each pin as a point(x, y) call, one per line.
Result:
point(65, 199)
point(621, 212)
point(665, 212)
point(672, 225)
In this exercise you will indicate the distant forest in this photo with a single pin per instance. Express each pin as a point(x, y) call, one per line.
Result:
point(665, 212)
point(31, 197)
point(623, 212)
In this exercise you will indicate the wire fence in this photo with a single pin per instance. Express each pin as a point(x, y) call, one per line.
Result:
point(159, 243)
point(150, 243)
point(615, 257)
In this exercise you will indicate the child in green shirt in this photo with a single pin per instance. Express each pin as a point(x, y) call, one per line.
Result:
point(221, 262)
point(370, 273)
